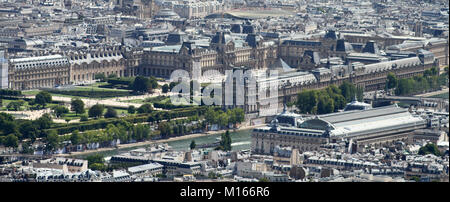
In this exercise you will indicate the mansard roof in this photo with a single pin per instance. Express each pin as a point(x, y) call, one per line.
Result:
point(388, 65)
point(280, 64)
point(40, 61)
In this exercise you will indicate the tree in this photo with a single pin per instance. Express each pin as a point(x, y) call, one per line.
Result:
point(222, 119)
point(26, 148)
point(225, 142)
point(165, 88)
point(165, 129)
point(11, 141)
point(44, 122)
point(42, 98)
point(28, 129)
point(173, 84)
point(131, 109)
point(145, 108)
point(53, 142)
point(15, 106)
point(348, 91)
point(392, 81)
point(193, 145)
point(75, 138)
point(307, 101)
point(142, 85)
point(110, 113)
point(77, 106)
point(111, 76)
point(96, 111)
point(95, 160)
point(325, 105)
point(7, 123)
point(404, 87)
point(83, 118)
point(210, 116)
point(100, 76)
point(429, 149)
point(236, 115)
point(60, 110)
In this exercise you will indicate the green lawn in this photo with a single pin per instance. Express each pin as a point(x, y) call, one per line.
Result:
point(137, 101)
point(6, 102)
point(72, 116)
point(443, 95)
point(96, 89)
point(30, 92)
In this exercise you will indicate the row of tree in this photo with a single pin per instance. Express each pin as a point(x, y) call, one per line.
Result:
point(224, 119)
point(430, 80)
point(329, 99)
point(124, 131)
point(12, 130)
point(180, 127)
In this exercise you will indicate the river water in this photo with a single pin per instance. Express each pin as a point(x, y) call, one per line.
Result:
point(239, 140)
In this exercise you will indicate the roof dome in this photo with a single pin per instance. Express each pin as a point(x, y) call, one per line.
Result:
point(166, 13)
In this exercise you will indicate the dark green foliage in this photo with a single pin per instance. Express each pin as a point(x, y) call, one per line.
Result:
point(165, 129)
point(327, 100)
point(165, 88)
point(429, 149)
point(96, 111)
point(44, 122)
point(60, 110)
point(28, 129)
point(53, 141)
point(100, 76)
point(145, 108)
point(156, 115)
point(110, 113)
point(223, 119)
point(75, 137)
point(169, 105)
point(422, 83)
point(143, 85)
point(307, 101)
point(111, 76)
point(121, 81)
point(15, 105)
point(77, 106)
point(83, 118)
point(349, 91)
point(193, 145)
point(11, 141)
point(173, 84)
point(10, 92)
point(26, 148)
point(8, 126)
point(131, 109)
point(91, 94)
point(42, 98)
point(96, 162)
point(225, 142)
point(392, 81)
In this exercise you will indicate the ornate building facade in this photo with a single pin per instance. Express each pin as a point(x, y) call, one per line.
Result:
point(358, 128)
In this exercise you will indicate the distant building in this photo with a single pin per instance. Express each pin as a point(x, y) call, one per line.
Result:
point(64, 164)
point(377, 126)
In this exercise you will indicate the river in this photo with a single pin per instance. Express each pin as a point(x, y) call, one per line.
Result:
point(239, 140)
